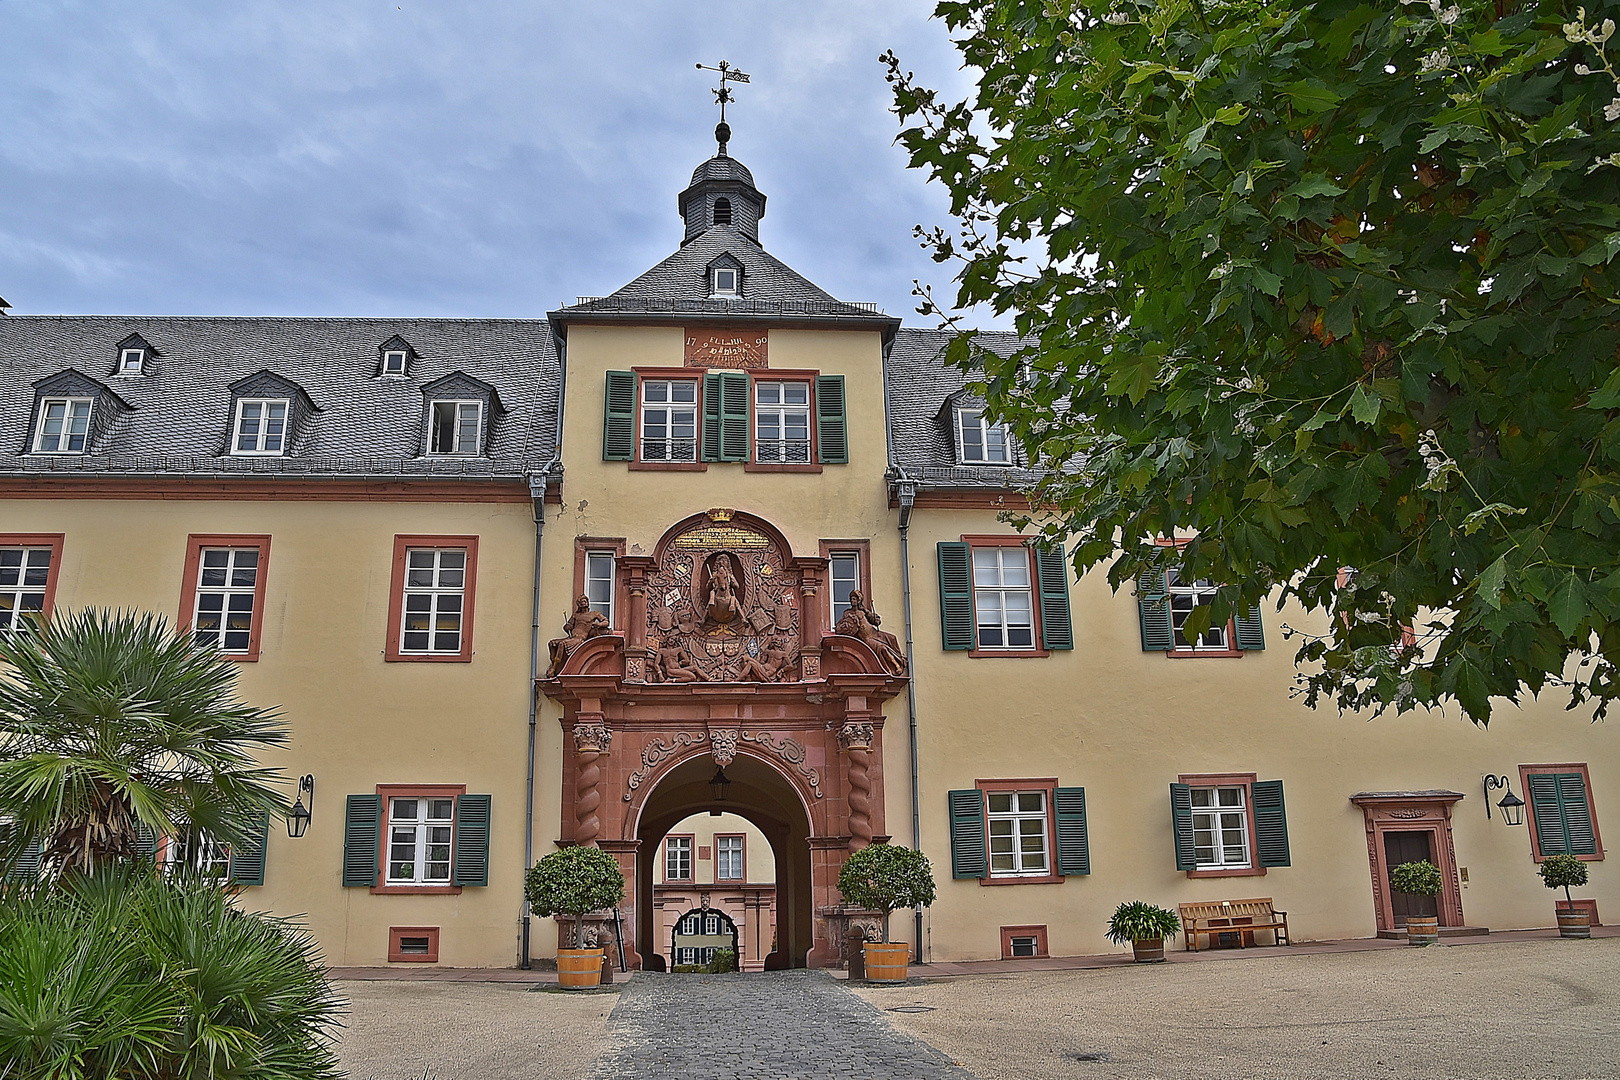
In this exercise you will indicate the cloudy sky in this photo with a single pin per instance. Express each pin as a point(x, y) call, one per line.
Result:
point(362, 157)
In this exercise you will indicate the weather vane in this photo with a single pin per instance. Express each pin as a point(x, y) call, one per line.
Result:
point(722, 97)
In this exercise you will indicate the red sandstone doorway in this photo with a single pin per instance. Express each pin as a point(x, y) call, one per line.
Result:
point(1402, 826)
point(1404, 846)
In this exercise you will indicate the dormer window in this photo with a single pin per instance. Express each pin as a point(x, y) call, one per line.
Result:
point(979, 442)
point(455, 426)
point(261, 427)
point(393, 362)
point(722, 211)
point(724, 281)
point(64, 425)
point(131, 361)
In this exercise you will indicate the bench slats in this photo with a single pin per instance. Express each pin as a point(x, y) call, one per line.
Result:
point(1209, 918)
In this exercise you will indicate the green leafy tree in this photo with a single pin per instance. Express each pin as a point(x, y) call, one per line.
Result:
point(1563, 872)
point(1420, 877)
point(886, 878)
point(113, 728)
point(574, 881)
point(1332, 285)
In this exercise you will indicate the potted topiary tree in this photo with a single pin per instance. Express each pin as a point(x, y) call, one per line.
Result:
point(1562, 872)
point(1145, 926)
point(575, 881)
point(1420, 878)
point(886, 878)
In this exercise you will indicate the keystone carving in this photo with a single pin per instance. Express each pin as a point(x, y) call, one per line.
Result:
point(723, 745)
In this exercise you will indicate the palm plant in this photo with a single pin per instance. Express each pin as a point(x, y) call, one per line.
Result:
point(113, 727)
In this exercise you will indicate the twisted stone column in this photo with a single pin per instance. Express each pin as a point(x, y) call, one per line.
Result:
point(591, 741)
point(855, 743)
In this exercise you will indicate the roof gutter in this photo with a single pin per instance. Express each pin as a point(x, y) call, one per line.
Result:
point(887, 324)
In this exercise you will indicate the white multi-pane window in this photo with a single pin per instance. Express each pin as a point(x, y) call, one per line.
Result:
point(725, 277)
point(394, 362)
point(435, 597)
point(419, 832)
point(25, 573)
point(678, 860)
point(129, 362)
point(261, 426)
point(227, 585)
point(1017, 822)
point(728, 858)
point(454, 427)
point(844, 571)
point(1184, 596)
point(64, 426)
point(978, 441)
point(195, 851)
point(669, 420)
point(782, 421)
point(1002, 598)
point(1220, 821)
point(599, 582)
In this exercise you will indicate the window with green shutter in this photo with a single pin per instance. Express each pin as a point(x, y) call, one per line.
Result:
point(472, 840)
point(1250, 634)
point(832, 426)
point(247, 859)
point(362, 822)
point(1270, 823)
point(1153, 609)
point(1073, 845)
point(619, 417)
point(725, 416)
point(969, 858)
point(1181, 825)
point(26, 866)
point(956, 618)
point(1052, 571)
point(1561, 813)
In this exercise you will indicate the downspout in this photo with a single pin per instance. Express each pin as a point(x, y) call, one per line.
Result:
point(537, 495)
point(908, 494)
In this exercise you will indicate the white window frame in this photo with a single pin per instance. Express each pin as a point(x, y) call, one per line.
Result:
point(425, 841)
point(680, 846)
point(1034, 945)
point(445, 591)
point(722, 857)
point(1016, 818)
point(389, 358)
point(126, 367)
point(231, 591)
point(1200, 592)
point(600, 581)
point(1204, 821)
point(459, 425)
point(992, 594)
point(718, 289)
point(989, 437)
point(70, 419)
point(839, 582)
point(199, 852)
point(12, 611)
point(664, 412)
point(781, 450)
point(262, 438)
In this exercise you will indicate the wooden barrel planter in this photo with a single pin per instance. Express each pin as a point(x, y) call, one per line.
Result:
point(1149, 951)
point(886, 963)
point(1574, 924)
point(579, 969)
point(1422, 929)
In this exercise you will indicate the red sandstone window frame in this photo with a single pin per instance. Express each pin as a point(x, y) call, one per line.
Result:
point(862, 550)
point(802, 375)
point(1046, 784)
point(744, 867)
point(403, 542)
point(691, 876)
point(1525, 773)
point(53, 541)
point(671, 374)
point(584, 546)
point(195, 543)
point(1036, 931)
point(1036, 629)
point(386, 794)
point(1246, 781)
point(396, 953)
point(1183, 652)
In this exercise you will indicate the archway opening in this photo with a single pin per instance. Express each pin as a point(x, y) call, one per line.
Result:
point(719, 865)
point(767, 801)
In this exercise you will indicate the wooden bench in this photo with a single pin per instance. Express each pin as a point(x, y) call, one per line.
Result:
point(1240, 918)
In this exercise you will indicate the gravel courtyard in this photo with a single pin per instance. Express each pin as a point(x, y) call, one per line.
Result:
point(1544, 1009)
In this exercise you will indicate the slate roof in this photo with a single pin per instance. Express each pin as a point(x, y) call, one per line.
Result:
point(722, 168)
point(364, 426)
point(923, 443)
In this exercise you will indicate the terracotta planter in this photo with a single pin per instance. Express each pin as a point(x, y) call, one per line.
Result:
point(1575, 924)
point(579, 969)
point(1150, 951)
point(1422, 929)
point(886, 963)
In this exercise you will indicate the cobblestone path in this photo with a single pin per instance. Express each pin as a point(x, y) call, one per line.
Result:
point(778, 1025)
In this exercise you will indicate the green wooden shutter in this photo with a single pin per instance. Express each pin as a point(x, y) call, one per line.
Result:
point(733, 415)
point(969, 858)
point(362, 824)
point(1562, 815)
point(956, 597)
point(1052, 570)
point(1181, 821)
point(1577, 814)
point(1153, 608)
point(1251, 636)
point(26, 868)
point(1270, 823)
point(247, 860)
point(1073, 846)
point(711, 416)
point(832, 427)
point(146, 840)
point(619, 417)
point(472, 840)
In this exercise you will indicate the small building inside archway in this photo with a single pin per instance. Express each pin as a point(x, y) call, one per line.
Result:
point(720, 865)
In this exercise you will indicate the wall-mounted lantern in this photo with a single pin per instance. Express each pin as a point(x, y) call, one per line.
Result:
point(1511, 805)
point(298, 817)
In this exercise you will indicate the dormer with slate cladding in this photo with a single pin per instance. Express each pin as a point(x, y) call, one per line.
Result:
point(459, 414)
point(73, 386)
point(395, 358)
point(250, 426)
point(721, 285)
point(134, 357)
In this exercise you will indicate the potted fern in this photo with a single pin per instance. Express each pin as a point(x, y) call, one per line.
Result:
point(1419, 878)
point(1145, 926)
point(575, 881)
point(885, 878)
point(1562, 872)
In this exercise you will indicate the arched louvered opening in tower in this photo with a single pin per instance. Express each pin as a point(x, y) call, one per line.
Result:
point(722, 211)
